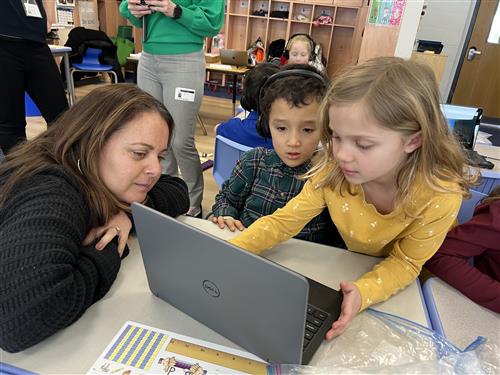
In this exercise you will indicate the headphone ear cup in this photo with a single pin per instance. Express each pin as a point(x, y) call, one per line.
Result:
point(286, 54)
point(262, 127)
point(244, 104)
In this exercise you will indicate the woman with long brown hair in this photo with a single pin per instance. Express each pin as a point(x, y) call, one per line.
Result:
point(64, 208)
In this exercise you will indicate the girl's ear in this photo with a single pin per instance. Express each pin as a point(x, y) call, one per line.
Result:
point(413, 142)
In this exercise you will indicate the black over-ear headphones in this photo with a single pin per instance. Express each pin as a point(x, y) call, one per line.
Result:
point(312, 45)
point(262, 125)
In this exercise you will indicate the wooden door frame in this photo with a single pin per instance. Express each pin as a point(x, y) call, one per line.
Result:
point(463, 52)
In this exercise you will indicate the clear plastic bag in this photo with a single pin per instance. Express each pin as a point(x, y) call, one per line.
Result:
point(377, 342)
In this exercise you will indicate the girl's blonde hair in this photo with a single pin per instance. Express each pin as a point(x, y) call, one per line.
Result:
point(75, 141)
point(302, 39)
point(401, 95)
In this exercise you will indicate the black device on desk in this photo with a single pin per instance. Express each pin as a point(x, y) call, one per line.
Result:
point(464, 121)
point(430, 45)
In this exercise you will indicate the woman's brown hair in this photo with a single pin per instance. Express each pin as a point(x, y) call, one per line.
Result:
point(75, 141)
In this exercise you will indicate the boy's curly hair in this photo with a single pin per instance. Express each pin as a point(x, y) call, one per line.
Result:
point(295, 90)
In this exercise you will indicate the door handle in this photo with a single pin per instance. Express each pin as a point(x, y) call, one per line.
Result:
point(472, 53)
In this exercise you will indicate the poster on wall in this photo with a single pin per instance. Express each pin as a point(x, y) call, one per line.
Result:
point(386, 12)
point(88, 14)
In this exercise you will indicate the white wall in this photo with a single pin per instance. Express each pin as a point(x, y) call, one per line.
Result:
point(408, 29)
point(447, 21)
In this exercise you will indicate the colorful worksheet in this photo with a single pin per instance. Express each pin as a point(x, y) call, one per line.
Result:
point(139, 349)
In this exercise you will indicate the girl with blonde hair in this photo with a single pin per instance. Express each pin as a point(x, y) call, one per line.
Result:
point(391, 175)
point(64, 208)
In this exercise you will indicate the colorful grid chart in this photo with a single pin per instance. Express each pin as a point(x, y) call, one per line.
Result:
point(136, 347)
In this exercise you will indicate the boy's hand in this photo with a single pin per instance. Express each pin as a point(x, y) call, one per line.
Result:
point(228, 221)
point(349, 309)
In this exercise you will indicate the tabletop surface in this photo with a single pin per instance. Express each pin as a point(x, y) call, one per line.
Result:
point(75, 348)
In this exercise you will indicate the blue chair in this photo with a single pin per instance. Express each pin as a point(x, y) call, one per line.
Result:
point(467, 209)
point(226, 155)
point(90, 63)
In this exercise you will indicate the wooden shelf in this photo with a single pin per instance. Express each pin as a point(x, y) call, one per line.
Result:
point(340, 41)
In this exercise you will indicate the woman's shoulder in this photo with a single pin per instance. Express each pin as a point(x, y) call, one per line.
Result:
point(53, 180)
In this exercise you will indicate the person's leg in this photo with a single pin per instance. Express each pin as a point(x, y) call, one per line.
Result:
point(12, 116)
point(187, 72)
point(147, 80)
point(44, 83)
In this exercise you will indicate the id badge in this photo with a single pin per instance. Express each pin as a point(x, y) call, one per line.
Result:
point(31, 8)
point(186, 95)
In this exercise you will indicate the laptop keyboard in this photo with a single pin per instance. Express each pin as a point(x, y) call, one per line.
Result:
point(315, 320)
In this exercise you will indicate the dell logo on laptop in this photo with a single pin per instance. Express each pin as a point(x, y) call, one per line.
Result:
point(211, 288)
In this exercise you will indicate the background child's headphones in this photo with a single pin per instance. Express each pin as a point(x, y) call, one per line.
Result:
point(312, 45)
point(262, 125)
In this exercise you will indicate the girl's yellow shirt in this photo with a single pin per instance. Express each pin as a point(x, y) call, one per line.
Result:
point(405, 242)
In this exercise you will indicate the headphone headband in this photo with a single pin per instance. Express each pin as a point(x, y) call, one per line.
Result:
point(262, 126)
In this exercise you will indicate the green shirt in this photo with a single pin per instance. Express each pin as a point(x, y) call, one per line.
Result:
point(166, 36)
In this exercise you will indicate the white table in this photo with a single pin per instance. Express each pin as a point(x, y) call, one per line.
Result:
point(74, 349)
point(64, 52)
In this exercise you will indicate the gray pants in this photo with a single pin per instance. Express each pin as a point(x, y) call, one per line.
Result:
point(160, 75)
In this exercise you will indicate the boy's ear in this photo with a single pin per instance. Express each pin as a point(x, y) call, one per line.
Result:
point(413, 142)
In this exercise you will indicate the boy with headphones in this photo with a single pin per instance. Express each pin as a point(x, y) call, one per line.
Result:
point(244, 131)
point(264, 180)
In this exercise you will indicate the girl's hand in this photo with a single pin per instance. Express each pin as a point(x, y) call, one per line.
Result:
point(349, 309)
point(165, 6)
point(138, 10)
point(228, 221)
point(119, 225)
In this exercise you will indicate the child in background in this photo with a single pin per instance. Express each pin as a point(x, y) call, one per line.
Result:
point(390, 174)
point(301, 49)
point(264, 180)
point(478, 238)
point(243, 131)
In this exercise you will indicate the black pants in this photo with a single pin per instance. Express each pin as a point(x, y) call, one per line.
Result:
point(27, 66)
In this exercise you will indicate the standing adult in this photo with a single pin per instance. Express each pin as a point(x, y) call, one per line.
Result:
point(27, 65)
point(172, 69)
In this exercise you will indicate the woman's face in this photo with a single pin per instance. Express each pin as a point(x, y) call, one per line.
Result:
point(299, 53)
point(129, 164)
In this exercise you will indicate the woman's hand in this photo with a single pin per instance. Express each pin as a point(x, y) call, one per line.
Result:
point(349, 309)
point(165, 6)
point(228, 221)
point(138, 10)
point(119, 225)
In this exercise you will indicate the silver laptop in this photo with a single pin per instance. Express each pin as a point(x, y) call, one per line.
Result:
point(265, 308)
point(233, 57)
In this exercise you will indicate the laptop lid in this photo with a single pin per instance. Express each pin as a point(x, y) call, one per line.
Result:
point(254, 302)
point(233, 57)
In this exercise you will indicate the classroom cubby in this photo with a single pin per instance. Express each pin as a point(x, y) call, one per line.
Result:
point(339, 36)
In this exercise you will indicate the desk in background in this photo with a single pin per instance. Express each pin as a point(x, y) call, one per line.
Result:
point(232, 70)
point(64, 52)
point(74, 349)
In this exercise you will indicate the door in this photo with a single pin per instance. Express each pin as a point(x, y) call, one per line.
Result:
point(478, 82)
